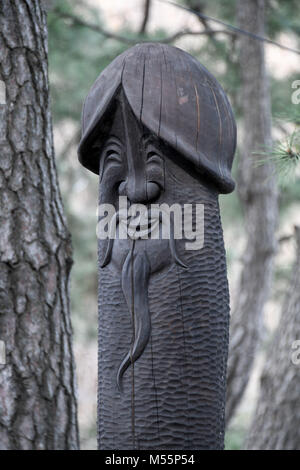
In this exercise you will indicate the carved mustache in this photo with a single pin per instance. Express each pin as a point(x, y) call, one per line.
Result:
point(156, 219)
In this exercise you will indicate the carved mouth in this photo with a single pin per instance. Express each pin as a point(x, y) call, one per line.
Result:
point(137, 228)
point(137, 231)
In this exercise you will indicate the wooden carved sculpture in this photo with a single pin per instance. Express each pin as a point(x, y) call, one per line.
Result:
point(158, 129)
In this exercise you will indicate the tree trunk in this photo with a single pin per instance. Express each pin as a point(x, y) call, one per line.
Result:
point(258, 196)
point(37, 383)
point(276, 423)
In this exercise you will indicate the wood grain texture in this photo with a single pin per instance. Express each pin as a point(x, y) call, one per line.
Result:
point(180, 377)
point(176, 98)
point(161, 131)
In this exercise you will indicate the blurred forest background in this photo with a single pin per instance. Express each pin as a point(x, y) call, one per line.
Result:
point(81, 44)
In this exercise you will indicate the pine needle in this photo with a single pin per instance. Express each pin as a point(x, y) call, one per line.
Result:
point(285, 156)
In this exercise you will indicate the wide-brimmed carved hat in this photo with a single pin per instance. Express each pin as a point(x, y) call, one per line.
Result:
point(176, 98)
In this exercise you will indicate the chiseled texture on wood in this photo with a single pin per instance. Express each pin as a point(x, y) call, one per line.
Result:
point(180, 377)
point(176, 98)
point(37, 384)
point(158, 128)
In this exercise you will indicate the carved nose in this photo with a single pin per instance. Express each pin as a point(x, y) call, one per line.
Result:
point(138, 193)
point(153, 190)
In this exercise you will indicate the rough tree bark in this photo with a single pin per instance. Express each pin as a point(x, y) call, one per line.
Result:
point(276, 423)
point(37, 384)
point(258, 195)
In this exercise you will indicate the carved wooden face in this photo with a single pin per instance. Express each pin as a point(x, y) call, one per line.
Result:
point(133, 165)
point(132, 162)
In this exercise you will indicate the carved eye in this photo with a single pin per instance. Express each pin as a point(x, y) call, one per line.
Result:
point(113, 157)
point(111, 160)
point(153, 157)
point(155, 170)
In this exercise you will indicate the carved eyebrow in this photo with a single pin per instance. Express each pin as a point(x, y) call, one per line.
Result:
point(152, 149)
point(113, 142)
point(112, 145)
point(151, 145)
point(149, 138)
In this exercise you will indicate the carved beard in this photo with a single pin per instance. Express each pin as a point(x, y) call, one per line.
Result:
point(135, 274)
point(135, 279)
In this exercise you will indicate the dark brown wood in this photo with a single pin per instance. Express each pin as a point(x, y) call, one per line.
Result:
point(176, 98)
point(158, 128)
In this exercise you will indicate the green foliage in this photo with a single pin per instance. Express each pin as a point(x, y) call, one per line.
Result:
point(76, 57)
point(224, 10)
point(282, 16)
point(290, 196)
point(285, 157)
point(285, 153)
point(282, 275)
point(234, 438)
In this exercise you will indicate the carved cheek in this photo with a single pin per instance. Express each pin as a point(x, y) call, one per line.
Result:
point(113, 178)
point(155, 177)
point(153, 190)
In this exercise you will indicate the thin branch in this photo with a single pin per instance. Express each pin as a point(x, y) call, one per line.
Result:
point(232, 31)
point(232, 28)
point(146, 16)
point(199, 7)
point(93, 27)
point(187, 32)
point(98, 29)
point(285, 238)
